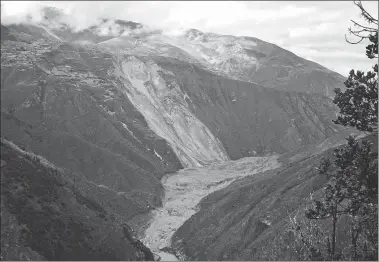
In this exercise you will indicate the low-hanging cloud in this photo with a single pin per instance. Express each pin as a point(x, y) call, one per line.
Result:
point(306, 28)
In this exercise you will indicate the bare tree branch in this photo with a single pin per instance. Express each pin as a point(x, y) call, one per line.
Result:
point(362, 32)
point(354, 43)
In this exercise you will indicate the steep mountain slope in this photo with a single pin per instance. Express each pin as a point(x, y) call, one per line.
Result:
point(248, 118)
point(46, 215)
point(248, 219)
point(65, 116)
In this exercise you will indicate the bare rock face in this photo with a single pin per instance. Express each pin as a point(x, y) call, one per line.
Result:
point(167, 111)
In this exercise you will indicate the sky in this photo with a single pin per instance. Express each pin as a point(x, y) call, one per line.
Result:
point(314, 30)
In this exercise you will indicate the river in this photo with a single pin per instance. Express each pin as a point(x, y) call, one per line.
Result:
point(184, 190)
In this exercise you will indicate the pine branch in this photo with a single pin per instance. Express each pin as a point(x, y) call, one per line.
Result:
point(366, 15)
point(365, 28)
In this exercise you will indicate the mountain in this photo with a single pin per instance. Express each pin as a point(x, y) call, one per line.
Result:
point(245, 117)
point(118, 106)
point(229, 118)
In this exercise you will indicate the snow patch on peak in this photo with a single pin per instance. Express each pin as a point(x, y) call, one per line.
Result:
point(221, 53)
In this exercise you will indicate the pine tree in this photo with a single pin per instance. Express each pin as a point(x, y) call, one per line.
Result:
point(352, 188)
point(359, 103)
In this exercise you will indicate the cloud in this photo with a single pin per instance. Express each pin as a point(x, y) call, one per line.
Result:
point(18, 12)
point(314, 29)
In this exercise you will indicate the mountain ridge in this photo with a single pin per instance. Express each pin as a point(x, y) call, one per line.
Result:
point(255, 63)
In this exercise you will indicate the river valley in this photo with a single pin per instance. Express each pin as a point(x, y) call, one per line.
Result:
point(184, 190)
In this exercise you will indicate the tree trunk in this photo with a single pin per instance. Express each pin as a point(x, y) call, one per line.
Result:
point(334, 235)
point(354, 240)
